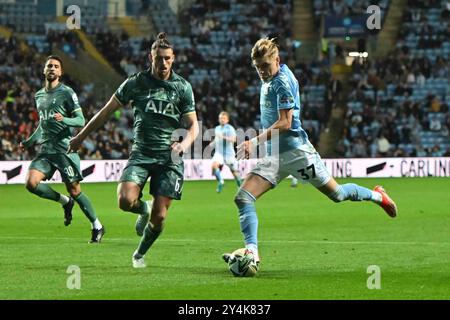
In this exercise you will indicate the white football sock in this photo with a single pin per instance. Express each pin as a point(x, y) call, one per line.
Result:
point(63, 199)
point(376, 197)
point(253, 248)
point(97, 225)
point(148, 206)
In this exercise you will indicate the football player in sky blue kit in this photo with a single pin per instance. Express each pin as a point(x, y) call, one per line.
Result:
point(288, 150)
point(225, 137)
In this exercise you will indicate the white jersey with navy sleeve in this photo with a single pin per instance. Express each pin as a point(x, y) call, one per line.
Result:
point(290, 153)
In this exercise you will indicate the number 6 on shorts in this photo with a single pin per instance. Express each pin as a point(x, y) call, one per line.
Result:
point(177, 185)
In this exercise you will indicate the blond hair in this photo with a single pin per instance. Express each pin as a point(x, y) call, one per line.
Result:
point(265, 47)
point(224, 113)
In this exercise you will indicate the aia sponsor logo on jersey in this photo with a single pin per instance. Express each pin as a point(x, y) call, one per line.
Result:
point(161, 107)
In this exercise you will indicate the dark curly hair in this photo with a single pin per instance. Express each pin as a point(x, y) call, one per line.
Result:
point(161, 42)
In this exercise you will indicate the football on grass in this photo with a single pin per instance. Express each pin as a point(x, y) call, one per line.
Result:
point(242, 264)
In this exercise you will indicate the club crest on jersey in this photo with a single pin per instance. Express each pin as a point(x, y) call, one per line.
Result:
point(161, 94)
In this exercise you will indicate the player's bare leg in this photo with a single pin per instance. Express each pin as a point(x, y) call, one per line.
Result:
point(34, 185)
point(161, 205)
point(128, 195)
point(354, 192)
point(256, 185)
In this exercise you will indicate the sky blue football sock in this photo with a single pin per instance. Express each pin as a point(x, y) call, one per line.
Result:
point(248, 219)
point(218, 175)
point(355, 192)
point(249, 223)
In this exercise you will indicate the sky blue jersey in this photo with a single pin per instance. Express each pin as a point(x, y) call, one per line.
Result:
point(282, 92)
point(222, 146)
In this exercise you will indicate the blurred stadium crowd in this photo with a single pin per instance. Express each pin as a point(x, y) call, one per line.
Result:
point(398, 105)
point(20, 78)
point(344, 8)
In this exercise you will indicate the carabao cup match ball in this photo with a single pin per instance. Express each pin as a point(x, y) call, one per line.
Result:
point(242, 264)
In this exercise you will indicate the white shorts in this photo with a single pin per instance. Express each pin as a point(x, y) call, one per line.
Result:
point(307, 167)
point(231, 162)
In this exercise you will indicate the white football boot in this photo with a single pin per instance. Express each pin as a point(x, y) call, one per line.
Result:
point(138, 263)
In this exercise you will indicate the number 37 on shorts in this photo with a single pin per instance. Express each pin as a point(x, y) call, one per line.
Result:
point(310, 169)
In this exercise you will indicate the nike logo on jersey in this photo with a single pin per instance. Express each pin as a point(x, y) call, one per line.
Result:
point(161, 94)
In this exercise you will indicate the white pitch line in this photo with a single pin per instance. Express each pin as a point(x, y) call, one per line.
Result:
point(410, 243)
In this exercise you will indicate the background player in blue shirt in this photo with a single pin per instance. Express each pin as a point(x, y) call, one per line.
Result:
point(288, 150)
point(225, 137)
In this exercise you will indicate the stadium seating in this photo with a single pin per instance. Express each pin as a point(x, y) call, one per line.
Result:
point(345, 8)
point(418, 88)
point(20, 78)
point(213, 54)
point(163, 17)
point(213, 42)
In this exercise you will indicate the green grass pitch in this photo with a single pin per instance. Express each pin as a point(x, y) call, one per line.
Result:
point(311, 248)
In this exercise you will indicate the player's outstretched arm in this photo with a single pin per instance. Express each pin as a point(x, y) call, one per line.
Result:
point(99, 119)
point(37, 135)
point(76, 121)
